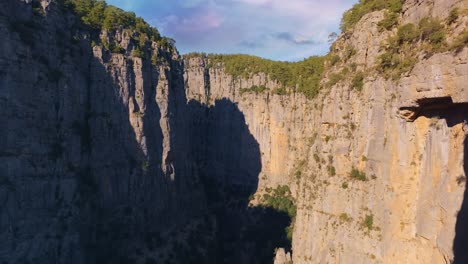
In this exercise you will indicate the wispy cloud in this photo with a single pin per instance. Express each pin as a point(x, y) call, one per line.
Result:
point(198, 22)
point(276, 29)
point(288, 37)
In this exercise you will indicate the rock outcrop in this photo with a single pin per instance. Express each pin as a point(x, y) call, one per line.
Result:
point(112, 158)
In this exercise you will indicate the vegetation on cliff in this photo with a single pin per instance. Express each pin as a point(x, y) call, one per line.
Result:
point(352, 16)
point(400, 55)
point(98, 16)
point(400, 52)
point(303, 76)
point(281, 200)
point(460, 42)
point(254, 89)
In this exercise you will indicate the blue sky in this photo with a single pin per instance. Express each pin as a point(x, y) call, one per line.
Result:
point(275, 29)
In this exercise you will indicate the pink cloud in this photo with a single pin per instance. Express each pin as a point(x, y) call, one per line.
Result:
point(195, 23)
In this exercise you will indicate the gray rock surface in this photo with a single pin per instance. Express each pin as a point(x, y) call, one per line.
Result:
point(94, 152)
point(107, 158)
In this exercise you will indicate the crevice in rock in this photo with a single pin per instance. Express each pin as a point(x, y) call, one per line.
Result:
point(206, 77)
point(436, 107)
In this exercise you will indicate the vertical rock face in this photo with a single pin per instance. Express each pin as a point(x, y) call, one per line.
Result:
point(94, 149)
point(411, 208)
point(110, 158)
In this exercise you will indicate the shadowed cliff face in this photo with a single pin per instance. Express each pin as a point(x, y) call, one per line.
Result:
point(460, 244)
point(103, 161)
point(229, 161)
point(94, 155)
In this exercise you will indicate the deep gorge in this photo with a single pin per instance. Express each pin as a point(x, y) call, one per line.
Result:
point(109, 155)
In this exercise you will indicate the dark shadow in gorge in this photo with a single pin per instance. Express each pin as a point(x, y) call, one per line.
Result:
point(119, 186)
point(129, 211)
point(229, 163)
point(127, 198)
point(460, 244)
point(123, 198)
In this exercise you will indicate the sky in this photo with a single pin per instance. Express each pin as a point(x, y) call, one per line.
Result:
point(287, 30)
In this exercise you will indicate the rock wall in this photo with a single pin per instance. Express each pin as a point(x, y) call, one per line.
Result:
point(94, 154)
point(410, 207)
point(109, 158)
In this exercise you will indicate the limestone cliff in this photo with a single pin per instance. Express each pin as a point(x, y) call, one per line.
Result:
point(379, 174)
point(94, 154)
point(117, 156)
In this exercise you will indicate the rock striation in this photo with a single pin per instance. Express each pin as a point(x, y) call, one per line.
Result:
point(406, 136)
point(94, 150)
point(112, 158)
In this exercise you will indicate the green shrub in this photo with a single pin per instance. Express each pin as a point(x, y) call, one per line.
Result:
point(389, 21)
point(358, 81)
point(432, 31)
point(460, 42)
point(334, 59)
point(334, 79)
point(145, 165)
point(453, 16)
point(368, 222)
point(166, 43)
point(404, 65)
point(344, 185)
point(349, 52)
point(114, 48)
point(105, 43)
point(437, 38)
point(280, 91)
point(400, 56)
point(344, 217)
point(138, 53)
point(289, 232)
point(352, 16)
point(281, 200)
point(331, 170)
point(407, 33)
point(254, 89)
point(358, 175)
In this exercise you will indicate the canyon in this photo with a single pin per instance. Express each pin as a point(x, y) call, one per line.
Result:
point(109, 157)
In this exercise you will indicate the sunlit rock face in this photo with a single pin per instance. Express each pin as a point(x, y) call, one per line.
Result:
point(110, 158)
point(408, 136)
